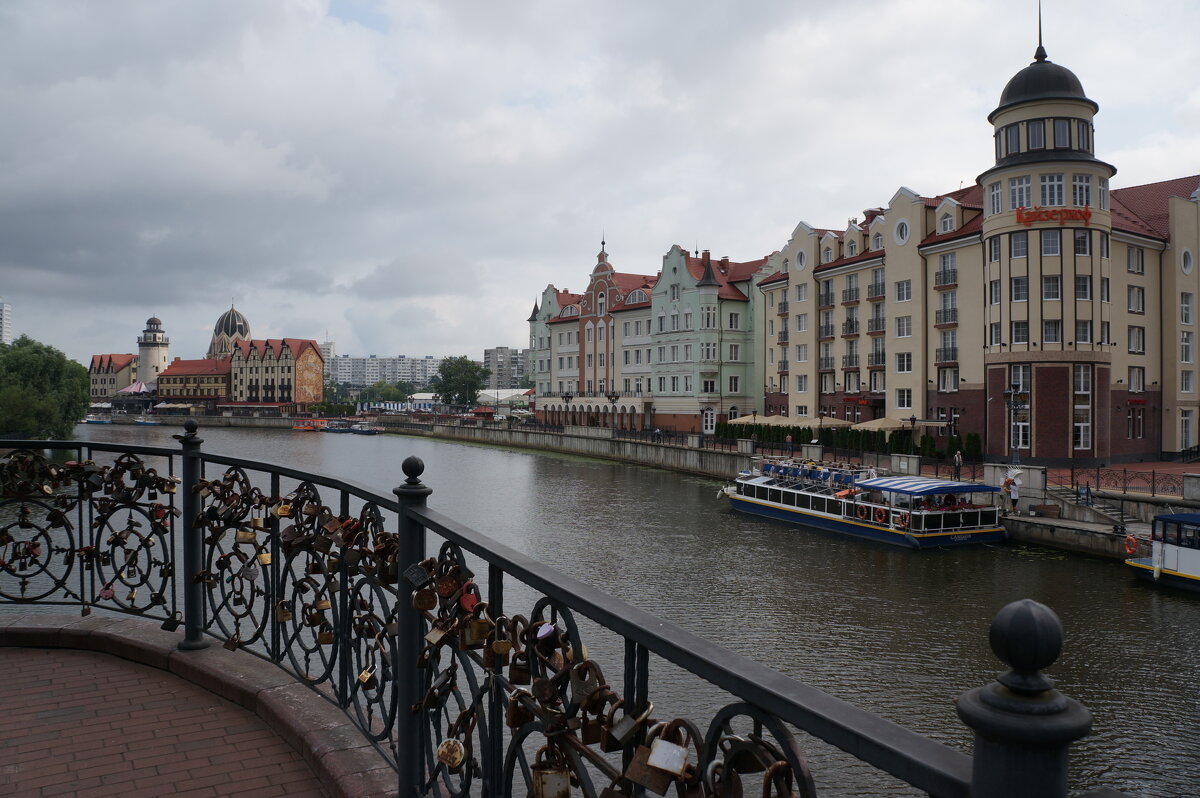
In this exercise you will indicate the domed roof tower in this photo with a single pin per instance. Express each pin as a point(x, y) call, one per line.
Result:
point(231, 326)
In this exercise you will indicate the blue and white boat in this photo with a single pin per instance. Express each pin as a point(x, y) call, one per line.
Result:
point(96, 418)
point(1174, 552)
point(916, 512)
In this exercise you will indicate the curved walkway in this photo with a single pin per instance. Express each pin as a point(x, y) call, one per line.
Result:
point(103, 706)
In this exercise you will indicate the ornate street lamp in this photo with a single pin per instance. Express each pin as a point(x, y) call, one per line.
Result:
point(1016, 399)
point(613, 396)
point(912, 440)
point(567, 396)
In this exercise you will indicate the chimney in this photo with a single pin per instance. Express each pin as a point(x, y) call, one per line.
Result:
point(724, 264)
point(705, 258)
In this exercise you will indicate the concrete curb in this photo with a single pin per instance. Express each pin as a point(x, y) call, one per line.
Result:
point(347, 765)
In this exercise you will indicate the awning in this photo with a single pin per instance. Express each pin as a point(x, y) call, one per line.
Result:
point(832, 421)
point(883, 424)
point(101, 405)
point(923, 486)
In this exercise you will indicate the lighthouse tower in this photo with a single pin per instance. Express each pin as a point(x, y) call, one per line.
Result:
point(153, 346)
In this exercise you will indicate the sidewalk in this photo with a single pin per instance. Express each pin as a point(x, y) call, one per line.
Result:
point(81, 723)
point(108, 705)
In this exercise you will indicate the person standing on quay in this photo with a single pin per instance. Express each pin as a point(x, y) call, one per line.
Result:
point(958, 465)
point(788, 443)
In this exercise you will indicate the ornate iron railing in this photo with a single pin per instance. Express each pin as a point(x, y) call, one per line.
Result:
point(1124, 480)
point(402, 617)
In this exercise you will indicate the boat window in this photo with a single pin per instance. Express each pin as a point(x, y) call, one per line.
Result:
point(774, 496)
point(789, 499)
point(1171, 534)
point(1191, 536)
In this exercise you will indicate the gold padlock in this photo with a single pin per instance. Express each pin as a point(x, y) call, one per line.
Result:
point(325, 635)
point(283, 613)
point(245, 536)
point(367, 678)
point(264, 558)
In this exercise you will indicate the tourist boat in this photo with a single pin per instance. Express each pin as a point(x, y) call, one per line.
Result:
point(95, 418)
point(1174, 552)
point(338, 425)
point(150, 420)
point(309, 425)
point(365, 429)
point(917, 512)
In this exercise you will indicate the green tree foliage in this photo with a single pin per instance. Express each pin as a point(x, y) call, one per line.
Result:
point(459, 380)
point(42, 393)
point(387, 392)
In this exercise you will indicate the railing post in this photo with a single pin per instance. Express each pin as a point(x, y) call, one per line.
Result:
point(193, 542)
point(410, 728)
point(1023, 726)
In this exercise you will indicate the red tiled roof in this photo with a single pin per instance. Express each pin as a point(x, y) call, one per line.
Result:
point(726, 273)
point(1145, 209)
point(777, 277)
point(870, 254)
point(276, 345)
point(972, 227)
point(196, 368)
point(114, 362)
point(969, 197)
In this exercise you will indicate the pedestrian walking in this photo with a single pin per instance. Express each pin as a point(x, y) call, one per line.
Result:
point(1012, 490)
point(787, 442)
point(958, 465)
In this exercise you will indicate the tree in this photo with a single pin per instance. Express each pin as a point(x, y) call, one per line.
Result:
point(459, 380)
point(42, 393)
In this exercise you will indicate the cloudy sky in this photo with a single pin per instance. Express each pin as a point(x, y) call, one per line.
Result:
point(409, 175)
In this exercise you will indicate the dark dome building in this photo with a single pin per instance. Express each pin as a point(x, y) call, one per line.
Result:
point(230, 327)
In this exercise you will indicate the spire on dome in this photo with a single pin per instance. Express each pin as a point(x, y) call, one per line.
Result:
point(1039, 55)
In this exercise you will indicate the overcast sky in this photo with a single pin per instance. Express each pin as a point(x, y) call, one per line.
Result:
point(409, 176)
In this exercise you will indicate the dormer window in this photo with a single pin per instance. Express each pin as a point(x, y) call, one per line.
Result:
point(827, 255)
point(877, 241)
point(851, 249)
point(947, 223)
point(636, 295)
point(785, 265)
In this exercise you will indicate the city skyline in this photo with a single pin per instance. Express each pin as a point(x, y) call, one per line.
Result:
point(409, 177)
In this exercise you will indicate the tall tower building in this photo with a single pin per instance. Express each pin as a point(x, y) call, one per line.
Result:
point(6, 325)
point(153, 346)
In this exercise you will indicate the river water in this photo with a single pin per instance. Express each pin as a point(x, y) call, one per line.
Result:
point(896, 632)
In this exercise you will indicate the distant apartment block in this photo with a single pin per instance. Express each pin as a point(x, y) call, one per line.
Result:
point(347, 370)
point(6, 322)
point(508, 367)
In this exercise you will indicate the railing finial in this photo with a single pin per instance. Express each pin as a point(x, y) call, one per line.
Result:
point(413, 468)
point(1023, 726)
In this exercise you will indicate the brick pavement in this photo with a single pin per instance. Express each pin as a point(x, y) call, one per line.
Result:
point(83, 723)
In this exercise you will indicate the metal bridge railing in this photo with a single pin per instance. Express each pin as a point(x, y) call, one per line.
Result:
point(401, 616)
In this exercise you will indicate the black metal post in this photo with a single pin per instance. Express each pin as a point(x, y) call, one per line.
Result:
point(410, 727)
point(1023, 726)
point(193, 541)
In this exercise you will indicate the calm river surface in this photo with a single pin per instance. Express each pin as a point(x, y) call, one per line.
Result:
point(895, 632)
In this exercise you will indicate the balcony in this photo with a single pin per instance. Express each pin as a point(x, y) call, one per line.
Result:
point(825, 364)
point(850, 327)
point(782, 367)
point(876, 360)
point(947, 354)
point(945, 278)
point(876, 291)
point(783, 336)
point(782, 307)
point(946, 316)
point(876, 324)
point(849, 296)
point(825, 300)
point(825, 331)
point(849, 361)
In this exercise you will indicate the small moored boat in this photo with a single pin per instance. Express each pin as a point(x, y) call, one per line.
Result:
point(338, 426)
point(149, 420)
point(917, 512)
point(1174, 551)
point(96, 418)
point(365, 429)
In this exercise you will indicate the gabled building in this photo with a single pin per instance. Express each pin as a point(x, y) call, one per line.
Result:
point(276, 372)
point(108, 374)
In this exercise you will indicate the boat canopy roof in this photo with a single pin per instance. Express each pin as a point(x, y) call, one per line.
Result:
point(1179, 518)
point(923, 486)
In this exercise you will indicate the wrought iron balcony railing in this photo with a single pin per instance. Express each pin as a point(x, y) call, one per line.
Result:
point(405, 620)
point(876, 359)
point(782, 307)
point(849, 295)
point(825, 363)
point(947, 316)
point(825, 331)
point(945, 277)
point(849, 361)
point(850, 327)
point(877, 324)
point(876, 290)
point(947, 354)
point(825, 300)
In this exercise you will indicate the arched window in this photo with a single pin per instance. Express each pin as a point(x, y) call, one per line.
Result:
point(827, 255)
point(877, 241)
point(785, 265)
point(601, 297)
point(851, 249)
point(635, 296)
point(947, 223)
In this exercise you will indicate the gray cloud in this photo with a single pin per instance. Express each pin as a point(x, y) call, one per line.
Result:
point(409, 175)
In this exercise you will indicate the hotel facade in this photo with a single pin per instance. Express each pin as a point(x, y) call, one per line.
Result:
point(1043, 309)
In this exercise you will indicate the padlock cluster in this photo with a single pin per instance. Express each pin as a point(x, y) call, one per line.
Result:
point(564, 695)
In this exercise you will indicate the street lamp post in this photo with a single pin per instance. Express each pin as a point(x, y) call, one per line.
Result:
point(567, 396)
point(1015, 399)
point(613, 396)
point(912, 440)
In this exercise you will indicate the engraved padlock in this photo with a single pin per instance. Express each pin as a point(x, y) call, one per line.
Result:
point(367, 678)
point(550, 775)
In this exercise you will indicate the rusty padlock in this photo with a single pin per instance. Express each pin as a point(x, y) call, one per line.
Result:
point(550, 775)
point(619, 733)
point(518, 713)
point(474, 629)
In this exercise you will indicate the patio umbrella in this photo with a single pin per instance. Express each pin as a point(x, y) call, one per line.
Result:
point(883, 424)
